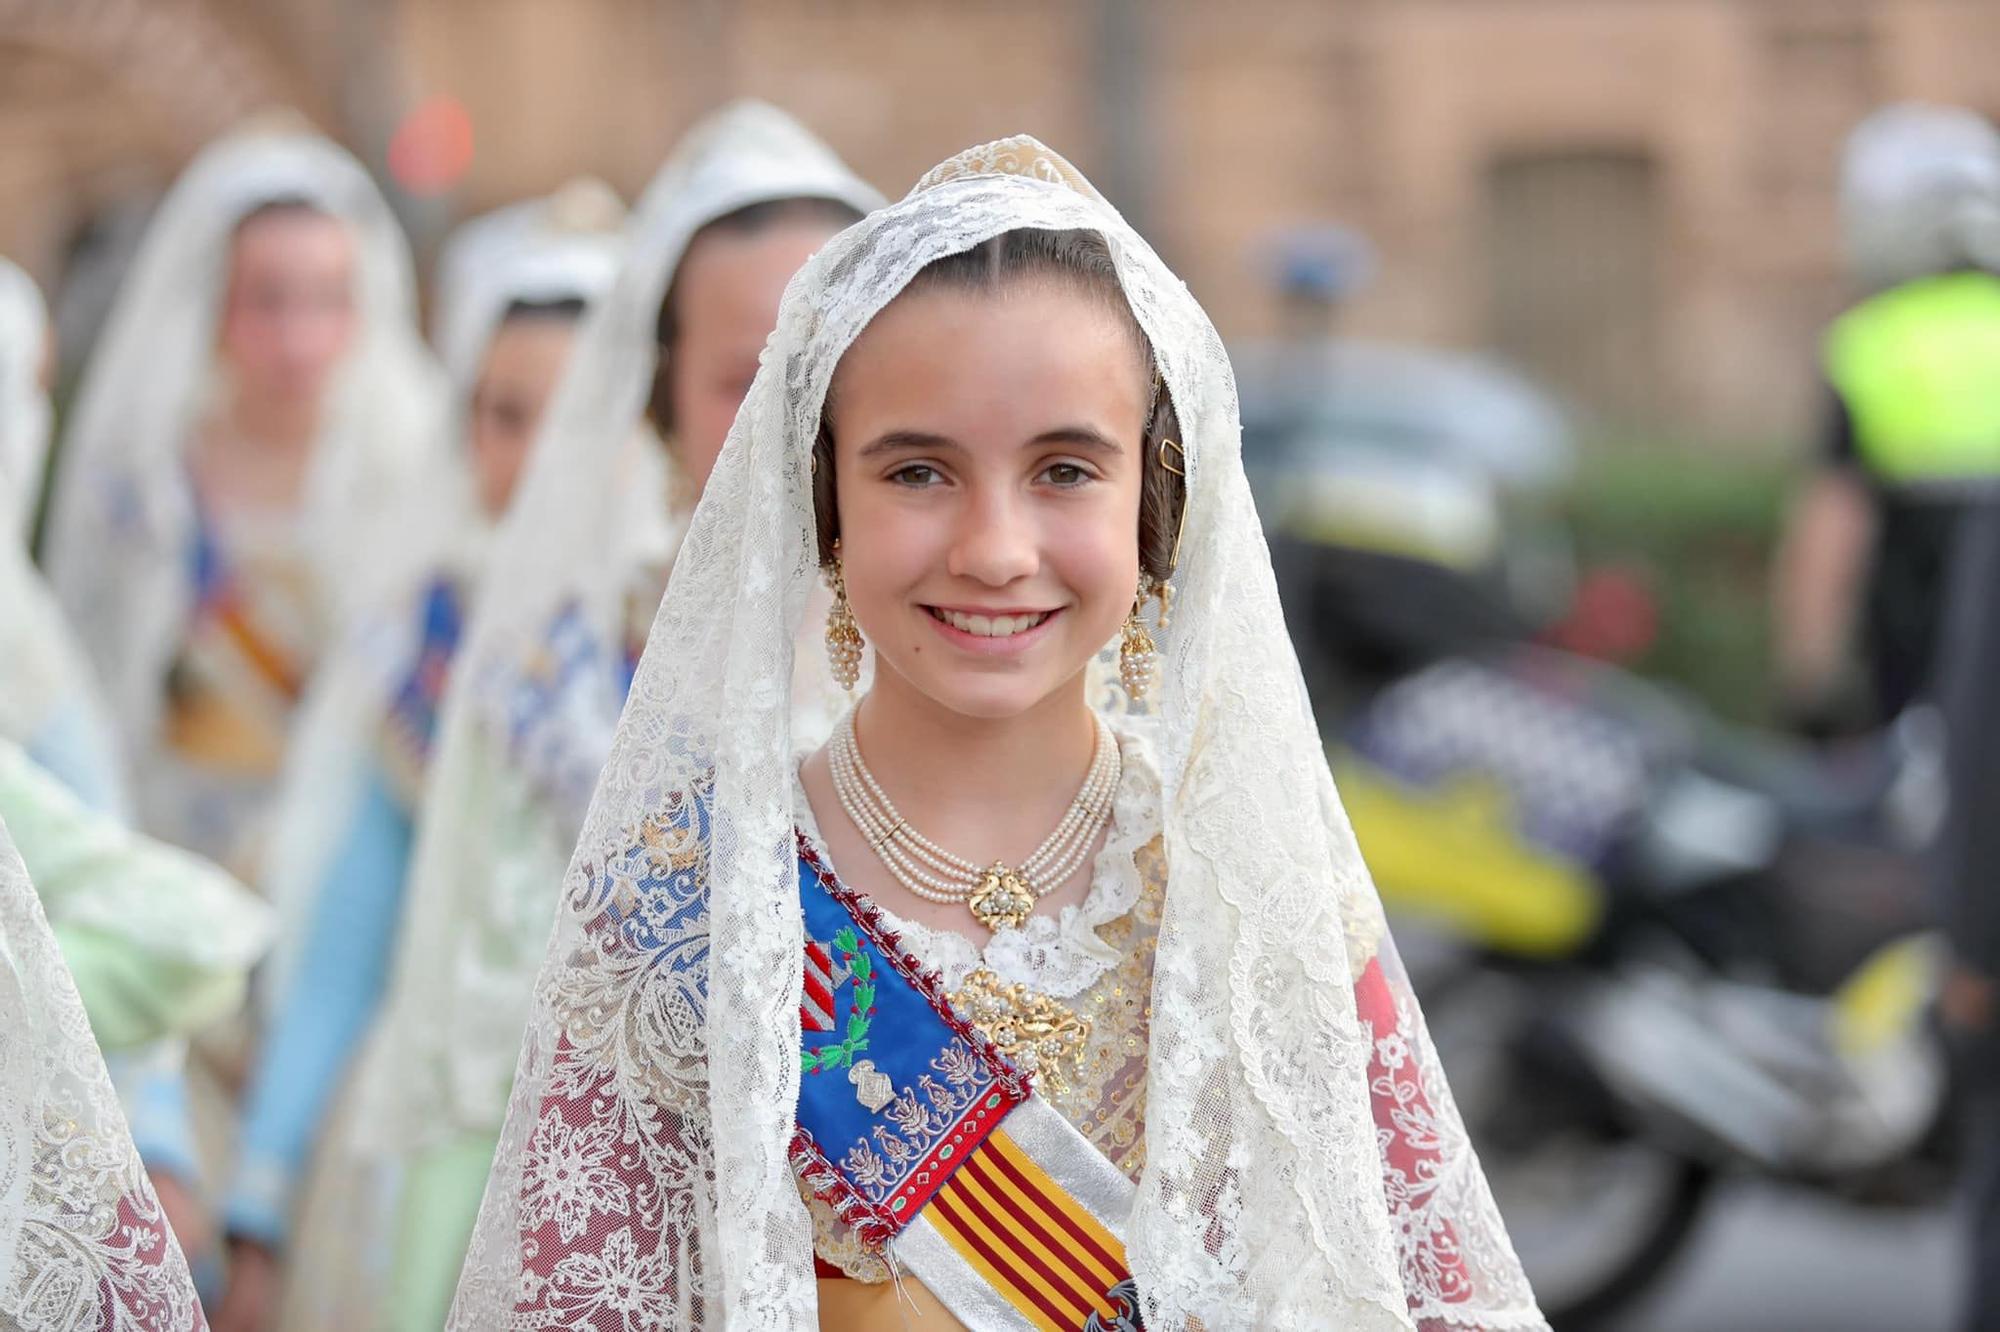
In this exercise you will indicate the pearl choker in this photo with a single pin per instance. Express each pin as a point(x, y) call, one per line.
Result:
point(1001, 897)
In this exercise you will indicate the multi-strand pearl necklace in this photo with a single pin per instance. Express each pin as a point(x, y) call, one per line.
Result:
point(1001, 897)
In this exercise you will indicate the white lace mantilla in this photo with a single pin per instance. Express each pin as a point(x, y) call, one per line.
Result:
point(83, 1243)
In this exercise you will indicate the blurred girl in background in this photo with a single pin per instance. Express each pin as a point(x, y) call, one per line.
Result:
point(566, 602)
point(258, 400)
point(346, 820)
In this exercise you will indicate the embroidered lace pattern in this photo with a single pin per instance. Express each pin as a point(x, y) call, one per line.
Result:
point(83, 1243)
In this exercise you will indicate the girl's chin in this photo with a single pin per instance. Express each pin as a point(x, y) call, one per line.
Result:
point(992, 696)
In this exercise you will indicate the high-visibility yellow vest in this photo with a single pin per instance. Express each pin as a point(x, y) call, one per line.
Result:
point(1918, 367)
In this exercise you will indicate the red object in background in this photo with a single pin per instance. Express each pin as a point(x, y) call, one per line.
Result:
point(432, 149)
point(1614, 617)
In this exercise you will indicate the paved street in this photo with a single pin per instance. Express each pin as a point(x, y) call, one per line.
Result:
point(1767, 1260)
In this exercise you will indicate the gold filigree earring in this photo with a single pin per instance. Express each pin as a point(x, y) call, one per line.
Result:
point(843, 636)
point(1135, 648)
point(1137, 654)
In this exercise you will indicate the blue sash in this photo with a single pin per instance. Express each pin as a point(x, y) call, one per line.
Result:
point(925, 1140)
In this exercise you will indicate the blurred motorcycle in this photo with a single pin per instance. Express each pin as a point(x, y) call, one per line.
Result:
point(1650, 947)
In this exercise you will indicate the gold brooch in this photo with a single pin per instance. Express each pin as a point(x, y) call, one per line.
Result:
point(1002, 900)
point(1035, 1032)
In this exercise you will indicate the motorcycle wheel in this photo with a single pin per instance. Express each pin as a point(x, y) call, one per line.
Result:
point(1597, 1212)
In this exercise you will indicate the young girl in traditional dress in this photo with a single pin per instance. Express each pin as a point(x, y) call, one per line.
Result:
point(576, 570)
point(258, 400)
point(1008, 999)
point(346, 820)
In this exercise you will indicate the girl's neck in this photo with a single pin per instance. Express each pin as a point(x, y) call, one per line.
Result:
point(283, 425)
point(941, 765)
point(251, 461)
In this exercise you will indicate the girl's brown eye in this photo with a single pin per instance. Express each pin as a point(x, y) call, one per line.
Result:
point(1065, 474)
point(915, 475)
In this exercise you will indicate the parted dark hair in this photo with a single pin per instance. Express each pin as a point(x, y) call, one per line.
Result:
point(567, 309)
point(749, 220)
point(1083, 260)
point(282, 205)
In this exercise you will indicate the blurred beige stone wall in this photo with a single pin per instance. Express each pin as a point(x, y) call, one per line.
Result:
point(1634, 197)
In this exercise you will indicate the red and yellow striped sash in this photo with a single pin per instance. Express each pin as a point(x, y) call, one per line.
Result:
point(1014, 1225)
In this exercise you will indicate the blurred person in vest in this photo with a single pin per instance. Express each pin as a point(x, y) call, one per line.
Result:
point(1912, 423)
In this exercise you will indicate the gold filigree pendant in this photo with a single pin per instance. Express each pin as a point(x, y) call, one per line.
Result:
point(1002, 900)
point(1035, 1032)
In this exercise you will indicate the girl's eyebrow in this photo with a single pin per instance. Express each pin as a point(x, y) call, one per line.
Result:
point(897, 441)
point(1083, 436)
